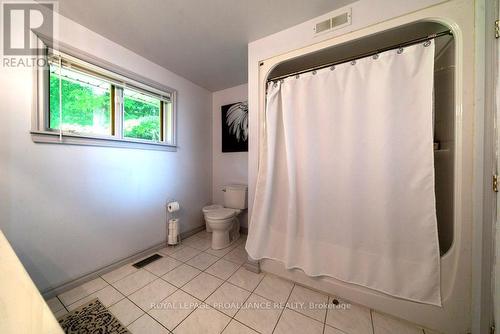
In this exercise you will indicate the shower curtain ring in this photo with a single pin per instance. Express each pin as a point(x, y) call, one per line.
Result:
point(297, 76)
point(275, 84)
point(375, 56)
point(353, 62)
point(314, 72)
point(400, 51)
point(332, 68)
point(427, 43)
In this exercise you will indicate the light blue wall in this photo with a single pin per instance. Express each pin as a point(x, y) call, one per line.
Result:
point(69, 210)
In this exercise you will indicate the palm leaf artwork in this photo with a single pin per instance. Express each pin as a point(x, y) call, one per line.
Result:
point(237, 120)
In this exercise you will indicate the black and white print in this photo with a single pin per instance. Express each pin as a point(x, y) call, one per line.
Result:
point(235, 127)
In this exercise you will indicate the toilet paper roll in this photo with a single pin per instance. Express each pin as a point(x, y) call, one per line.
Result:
point(173, 206)
point(173, 231)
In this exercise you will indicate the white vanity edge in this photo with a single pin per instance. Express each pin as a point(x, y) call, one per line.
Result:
point(22, 307)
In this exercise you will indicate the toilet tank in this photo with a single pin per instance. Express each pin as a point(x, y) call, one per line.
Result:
point(235, 196)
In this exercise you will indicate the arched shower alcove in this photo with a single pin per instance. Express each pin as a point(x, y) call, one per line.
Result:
point(444, 102)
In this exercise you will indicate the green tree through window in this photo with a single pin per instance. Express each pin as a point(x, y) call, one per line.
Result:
point(97, 105)
point(142, 116)
point(85, 100)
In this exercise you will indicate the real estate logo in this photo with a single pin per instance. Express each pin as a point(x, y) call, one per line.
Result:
point(20, 21)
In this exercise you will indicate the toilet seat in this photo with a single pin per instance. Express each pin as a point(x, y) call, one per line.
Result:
point(221, 214)
point(212, 207)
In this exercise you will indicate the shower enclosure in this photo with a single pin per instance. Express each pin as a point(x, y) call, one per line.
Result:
point(453, 155)
point(444, 104)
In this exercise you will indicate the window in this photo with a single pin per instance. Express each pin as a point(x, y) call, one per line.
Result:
point(142, 116)
point(80, 102)
point(86, 102)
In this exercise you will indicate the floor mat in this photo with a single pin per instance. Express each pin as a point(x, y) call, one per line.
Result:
point(92, 317)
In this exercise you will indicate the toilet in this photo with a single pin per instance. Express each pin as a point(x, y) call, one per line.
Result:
point(223, 221)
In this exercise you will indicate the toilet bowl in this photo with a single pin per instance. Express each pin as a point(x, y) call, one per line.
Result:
point(225, 226)
point(223, 221)
point(208, 209)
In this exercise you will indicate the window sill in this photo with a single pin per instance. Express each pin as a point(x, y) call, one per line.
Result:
point(49, 137)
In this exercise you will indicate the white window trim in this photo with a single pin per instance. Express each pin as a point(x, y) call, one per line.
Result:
point(40, 133)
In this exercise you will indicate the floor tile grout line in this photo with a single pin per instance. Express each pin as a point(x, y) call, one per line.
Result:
point(64, 306)
point(371, 319)
point(180, 288)
point(130, 264)
point(227, 281)
point(126, 297)
point(326, 314)
point(156, 277)
point(107, 284)
point(246, 299)
point(238, 321)
point(240, 265)
point(223, 329)
point(224, 281)
point(187, 264)
point(120, 278)
point(184, 317)
point(302, 314)
point(293, 284)
point(147, 314)
point(283, 310)
point(101, 302)
point(297, 284)
point(219, 258)
point(338, 329)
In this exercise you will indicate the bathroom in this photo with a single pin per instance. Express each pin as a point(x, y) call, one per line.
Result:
point(137, 220)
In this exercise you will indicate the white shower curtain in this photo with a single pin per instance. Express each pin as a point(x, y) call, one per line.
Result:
point(345, 186)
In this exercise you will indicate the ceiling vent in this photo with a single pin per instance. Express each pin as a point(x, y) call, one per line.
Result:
point(333, 23)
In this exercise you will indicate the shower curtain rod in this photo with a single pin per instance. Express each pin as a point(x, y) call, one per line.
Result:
point(366, 54)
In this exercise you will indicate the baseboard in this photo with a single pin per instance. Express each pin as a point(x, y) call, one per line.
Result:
point(90, 276)
point(253, 266)
point(191, 232)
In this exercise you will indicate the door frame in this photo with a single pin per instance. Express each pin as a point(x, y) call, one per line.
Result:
point(486, 158)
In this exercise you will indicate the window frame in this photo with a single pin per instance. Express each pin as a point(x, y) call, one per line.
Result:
point(120, 79)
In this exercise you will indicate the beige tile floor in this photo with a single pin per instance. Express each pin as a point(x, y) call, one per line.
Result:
point(194, 289)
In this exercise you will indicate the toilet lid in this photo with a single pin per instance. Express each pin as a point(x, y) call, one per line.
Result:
point(222, 213)
point(212, 207)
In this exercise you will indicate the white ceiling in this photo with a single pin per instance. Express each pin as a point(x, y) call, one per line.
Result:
point(204, 41)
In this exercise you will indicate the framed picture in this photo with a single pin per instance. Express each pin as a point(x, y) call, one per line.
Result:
point(235, 127)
